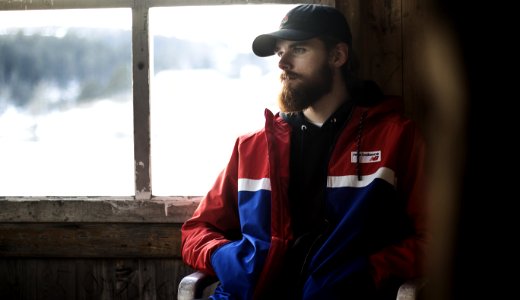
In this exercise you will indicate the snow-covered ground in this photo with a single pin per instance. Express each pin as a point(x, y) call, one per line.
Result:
point(88, 150)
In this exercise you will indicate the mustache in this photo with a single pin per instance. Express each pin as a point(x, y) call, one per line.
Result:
point(288, 75)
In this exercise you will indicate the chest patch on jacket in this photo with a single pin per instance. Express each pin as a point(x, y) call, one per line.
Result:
point(366, 157)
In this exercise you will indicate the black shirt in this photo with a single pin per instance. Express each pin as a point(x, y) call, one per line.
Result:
point(311, 147)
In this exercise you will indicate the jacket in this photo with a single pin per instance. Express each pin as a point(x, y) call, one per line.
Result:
point(375, 206)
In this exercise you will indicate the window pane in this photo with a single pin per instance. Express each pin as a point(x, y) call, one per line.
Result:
point(66, 103)
point(207, 88)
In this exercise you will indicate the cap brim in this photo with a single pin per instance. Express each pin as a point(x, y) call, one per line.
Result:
point(264, 44)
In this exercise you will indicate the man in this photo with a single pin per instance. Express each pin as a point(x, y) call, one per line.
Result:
point(325, 201)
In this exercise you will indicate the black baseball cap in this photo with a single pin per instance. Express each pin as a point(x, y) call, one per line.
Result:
point(305, 22)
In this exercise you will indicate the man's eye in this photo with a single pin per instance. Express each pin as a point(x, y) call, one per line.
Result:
point(298, 50)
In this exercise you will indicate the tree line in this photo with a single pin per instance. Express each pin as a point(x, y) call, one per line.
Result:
point(97, 61)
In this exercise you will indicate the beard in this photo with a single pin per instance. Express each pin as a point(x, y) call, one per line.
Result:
point(300, 92)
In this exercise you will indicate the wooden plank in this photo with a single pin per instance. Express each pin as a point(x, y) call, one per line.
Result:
point(147, 281)
point(90, 240)
point(161, 277)
point(141, 100)
point(85, 279)
point(173, 210)
point(351, 10)
point(15, 278)
point(90, 286)
point(62, 4)
point(68, 4)
point(109, 279)
point(385, 59)
point(126, 277)
point(377, 42)
point(414, 82)
point(229, 2)
point(55, 279)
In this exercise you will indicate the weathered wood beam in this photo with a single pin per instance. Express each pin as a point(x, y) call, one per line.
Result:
point(90, 240)
point(56, 209)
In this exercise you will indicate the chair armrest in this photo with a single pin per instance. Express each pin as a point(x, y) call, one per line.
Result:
point(410, 289)
point(196, 285)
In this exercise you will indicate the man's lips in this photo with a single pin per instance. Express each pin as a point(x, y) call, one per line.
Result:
point(285, 76)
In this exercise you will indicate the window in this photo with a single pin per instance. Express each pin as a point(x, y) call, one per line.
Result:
point(103, 129)
point(66, 103)
point(207, 88)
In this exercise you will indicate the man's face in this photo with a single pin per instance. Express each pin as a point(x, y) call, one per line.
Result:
point(306, 76)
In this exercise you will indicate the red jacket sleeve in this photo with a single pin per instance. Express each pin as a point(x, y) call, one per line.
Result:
point(215, 221)
point(406, 259)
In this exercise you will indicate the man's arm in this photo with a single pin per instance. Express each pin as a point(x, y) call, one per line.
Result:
point(215, 222)
point(406, 259)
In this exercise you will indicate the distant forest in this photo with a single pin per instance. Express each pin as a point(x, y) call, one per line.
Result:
point(99, 61)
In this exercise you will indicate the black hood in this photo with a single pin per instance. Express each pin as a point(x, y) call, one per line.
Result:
point(365, 92)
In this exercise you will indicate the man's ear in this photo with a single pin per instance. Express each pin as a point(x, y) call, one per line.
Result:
point(339, 55)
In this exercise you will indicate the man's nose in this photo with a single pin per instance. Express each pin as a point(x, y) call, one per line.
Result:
point(283, 63)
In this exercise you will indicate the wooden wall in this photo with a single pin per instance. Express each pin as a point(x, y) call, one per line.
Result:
point(90, 278)
point(69, 249)
point(63, 249)
point(387, 41)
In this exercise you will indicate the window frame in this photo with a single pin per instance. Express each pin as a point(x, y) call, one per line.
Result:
point(143, 206)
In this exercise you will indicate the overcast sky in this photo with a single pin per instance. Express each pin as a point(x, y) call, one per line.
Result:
point(195, 22)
